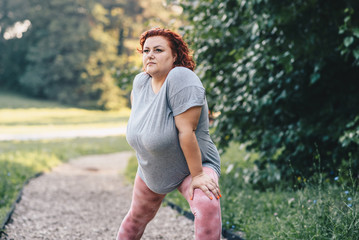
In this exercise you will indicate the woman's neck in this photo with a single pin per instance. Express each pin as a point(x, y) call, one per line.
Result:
point(157, 82)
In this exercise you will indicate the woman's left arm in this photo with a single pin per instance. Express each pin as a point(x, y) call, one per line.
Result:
point(186, 124)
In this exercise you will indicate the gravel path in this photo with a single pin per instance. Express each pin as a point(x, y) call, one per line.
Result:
point(86, 198)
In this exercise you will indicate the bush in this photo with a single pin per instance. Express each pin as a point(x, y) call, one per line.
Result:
point(284, 77)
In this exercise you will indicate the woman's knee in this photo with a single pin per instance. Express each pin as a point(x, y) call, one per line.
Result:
point(206, 207)
point(208, 223)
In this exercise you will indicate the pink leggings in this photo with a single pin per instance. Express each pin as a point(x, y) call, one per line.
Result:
point(146, 203)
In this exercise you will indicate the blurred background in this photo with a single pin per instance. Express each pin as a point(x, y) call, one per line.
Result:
point(75, 52)
point(282, 82)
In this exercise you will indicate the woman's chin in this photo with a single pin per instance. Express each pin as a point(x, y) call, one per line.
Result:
point(150, 71)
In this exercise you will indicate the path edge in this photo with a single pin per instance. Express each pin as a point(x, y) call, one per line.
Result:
point(17, 200)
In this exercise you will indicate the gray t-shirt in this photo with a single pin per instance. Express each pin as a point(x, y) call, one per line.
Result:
point(151, 129)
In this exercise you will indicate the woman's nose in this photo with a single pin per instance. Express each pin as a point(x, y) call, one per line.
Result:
point(150, 54)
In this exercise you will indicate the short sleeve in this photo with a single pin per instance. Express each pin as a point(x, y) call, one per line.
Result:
point(186, 98)
point(185, 90)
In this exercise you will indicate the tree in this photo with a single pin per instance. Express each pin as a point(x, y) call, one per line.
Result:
point(12, 48)
point(284, 77)
point(68, 53)
point(71, 55)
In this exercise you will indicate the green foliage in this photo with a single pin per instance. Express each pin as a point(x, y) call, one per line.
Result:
point(312, 213)
point(284, 77)
point(66, 55)
point(71, 58)
point(351, 134)
point(12, 61)
point(350, 31)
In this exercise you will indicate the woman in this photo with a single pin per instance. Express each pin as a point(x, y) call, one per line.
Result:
point(168, 128)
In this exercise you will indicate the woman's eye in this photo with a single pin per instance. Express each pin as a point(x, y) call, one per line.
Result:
point(146, 51)
point(158, 50)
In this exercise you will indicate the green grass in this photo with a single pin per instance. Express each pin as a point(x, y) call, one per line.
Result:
point(14, 100)
point(319, 210)
point(22, 115)
point(60, 116)
point(315, 212)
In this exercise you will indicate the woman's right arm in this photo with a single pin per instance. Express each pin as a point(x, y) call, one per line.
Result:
point(131, 98)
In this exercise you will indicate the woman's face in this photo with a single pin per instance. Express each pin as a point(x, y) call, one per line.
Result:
point(157, 57)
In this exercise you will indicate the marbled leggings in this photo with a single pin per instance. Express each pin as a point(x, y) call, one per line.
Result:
point(146, 203)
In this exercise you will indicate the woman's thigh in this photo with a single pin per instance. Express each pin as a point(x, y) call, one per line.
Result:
point(145, 202)
point(144, 206)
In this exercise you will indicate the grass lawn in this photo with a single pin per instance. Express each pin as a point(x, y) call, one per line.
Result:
point(14, 100)
point(21, 115)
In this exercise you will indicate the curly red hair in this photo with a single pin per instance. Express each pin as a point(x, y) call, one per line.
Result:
point(176, 43)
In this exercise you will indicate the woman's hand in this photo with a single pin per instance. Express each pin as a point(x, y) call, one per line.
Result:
point(206, 184)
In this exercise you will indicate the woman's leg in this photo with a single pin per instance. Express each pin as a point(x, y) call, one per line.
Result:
point(144, 207)
point(207, 212)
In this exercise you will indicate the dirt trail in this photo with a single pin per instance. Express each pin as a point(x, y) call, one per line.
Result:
point(86, 198)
